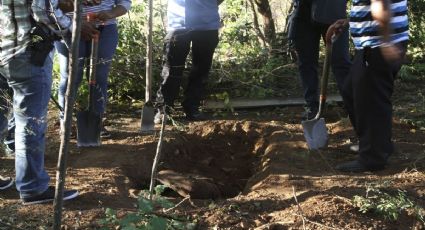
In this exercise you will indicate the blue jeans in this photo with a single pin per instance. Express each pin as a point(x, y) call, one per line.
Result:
point(108, 41)
point(31, 87)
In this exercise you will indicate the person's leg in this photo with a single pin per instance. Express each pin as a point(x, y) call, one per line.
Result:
point(63, 59)
point(307, 42)
point(341, 62)
point(372, 92)
point(31, 92)
point(203, 47)
point(358, 68)
point(375, 110)
point(108, 41)
point(176, 49)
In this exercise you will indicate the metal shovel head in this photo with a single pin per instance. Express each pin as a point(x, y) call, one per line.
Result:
point(315, 133)
point(148, 114)
point(88, 129)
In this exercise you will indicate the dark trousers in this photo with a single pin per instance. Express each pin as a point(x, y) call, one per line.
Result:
point(307, 44)
point(176, 48)
point(367, 97)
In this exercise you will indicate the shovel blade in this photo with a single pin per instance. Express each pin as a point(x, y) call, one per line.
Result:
point(88, 129)
point(148, 114)
point(315, 133)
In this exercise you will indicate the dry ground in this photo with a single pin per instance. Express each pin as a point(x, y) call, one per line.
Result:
point(242, 172)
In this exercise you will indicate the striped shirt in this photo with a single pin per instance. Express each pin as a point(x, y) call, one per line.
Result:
point(105, 5)
point(364, 29)
point(15, 24)
point(193, 15)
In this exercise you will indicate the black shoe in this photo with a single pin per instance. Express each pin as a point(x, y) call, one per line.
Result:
point(196, 116)
point(356, 167)
point(48, 196)
point(104, 133)
point(5, 182)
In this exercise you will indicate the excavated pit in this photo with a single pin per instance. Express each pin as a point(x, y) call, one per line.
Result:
point(209, 161)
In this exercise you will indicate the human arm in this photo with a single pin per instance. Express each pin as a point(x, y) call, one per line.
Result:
point(381, 12)
point(121, 8)
point(48, 13)
point(336, 29)
point(110, 14)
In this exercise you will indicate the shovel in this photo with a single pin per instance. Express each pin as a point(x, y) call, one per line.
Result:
point(315, 131)
point(89, 121)
point(148, 111)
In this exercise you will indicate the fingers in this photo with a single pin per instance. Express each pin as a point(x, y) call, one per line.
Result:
point(88, 30)
point(335, 30)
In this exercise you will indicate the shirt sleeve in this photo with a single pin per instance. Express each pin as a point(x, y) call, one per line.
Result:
point(48, 13)
point(124, 3)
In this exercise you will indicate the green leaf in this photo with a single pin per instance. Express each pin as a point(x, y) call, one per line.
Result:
point(157, 223)
point(159, 189)
point(110, 212)
point(164, 202)
point(130, 228)
point(145, 205)
point(130, 220)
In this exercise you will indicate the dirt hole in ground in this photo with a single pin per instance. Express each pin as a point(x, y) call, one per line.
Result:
point(210, 160)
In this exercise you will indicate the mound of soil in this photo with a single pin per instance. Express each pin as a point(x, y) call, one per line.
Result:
point(245, 172)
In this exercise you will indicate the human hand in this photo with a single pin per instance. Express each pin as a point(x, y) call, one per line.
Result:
point(88, 30)
point(66, 5)
point(335, 29)
point(105, 15)
point(391, 52)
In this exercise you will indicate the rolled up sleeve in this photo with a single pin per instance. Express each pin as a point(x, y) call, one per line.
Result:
point(47, 12)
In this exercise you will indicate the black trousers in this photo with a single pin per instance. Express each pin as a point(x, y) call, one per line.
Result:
point(307, 44)
point(176, 49)
point(367, 97)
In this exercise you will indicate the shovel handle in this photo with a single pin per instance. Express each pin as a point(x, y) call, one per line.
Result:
point(92, 66)
point(325, 77)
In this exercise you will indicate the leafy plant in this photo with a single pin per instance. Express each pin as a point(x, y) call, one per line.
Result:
point(390, 206)
point(151, 214)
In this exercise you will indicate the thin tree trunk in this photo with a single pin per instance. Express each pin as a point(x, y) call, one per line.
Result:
point(263, 7)
point(69, 105)
point(258, 31)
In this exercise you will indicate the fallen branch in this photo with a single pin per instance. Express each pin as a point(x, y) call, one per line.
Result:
point(177, 205)
point(299, 207)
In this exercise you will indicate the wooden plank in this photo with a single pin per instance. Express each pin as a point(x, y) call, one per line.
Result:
point(256, 103)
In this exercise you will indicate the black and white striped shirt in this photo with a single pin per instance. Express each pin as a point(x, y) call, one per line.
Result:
point(364, 29)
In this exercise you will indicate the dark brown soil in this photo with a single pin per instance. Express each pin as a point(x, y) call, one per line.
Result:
point(243, 172)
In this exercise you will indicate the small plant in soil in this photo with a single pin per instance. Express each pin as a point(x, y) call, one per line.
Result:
point(151, 214)
point(388, 204)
